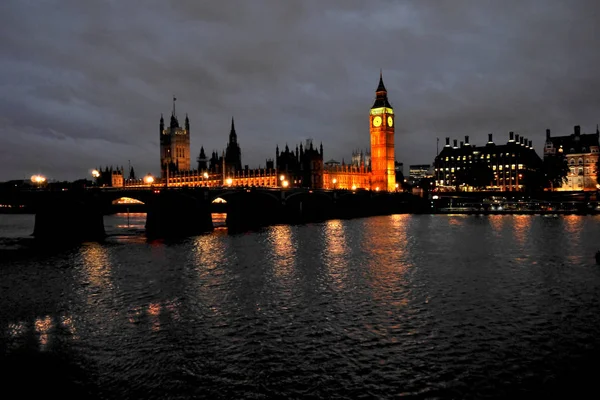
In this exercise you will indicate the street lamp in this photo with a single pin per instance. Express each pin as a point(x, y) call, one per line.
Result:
point(205, 176)
point(148, 179)
point(353, 187)
point(229, 181)
point(38, 179)
point(334, 182)
point(285, 184)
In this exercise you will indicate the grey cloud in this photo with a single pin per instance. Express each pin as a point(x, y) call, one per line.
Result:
point(83, 84)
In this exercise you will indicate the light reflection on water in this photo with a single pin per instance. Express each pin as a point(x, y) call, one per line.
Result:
point(429, 306)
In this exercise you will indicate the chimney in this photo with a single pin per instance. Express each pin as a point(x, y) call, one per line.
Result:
point(547, 134)
point(511, 136)
point(447, 142)
point(577, 130)
point(455, 143)
point(530, 144)
point(490, 138)
point(521, 140)
point(467, 140)
point(517, 137)
point(462, 144)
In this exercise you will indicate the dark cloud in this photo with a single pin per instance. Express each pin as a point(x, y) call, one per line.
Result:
point(83, 84)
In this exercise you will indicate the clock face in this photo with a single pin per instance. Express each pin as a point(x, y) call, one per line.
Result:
point(377, 121)
point(390, 121)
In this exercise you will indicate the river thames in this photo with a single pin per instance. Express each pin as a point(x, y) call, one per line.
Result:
point(415, 306)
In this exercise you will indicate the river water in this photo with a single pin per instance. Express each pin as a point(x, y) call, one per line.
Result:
point(415, 306)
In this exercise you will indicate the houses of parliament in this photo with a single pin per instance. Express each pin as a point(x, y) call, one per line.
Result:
point(299, 167)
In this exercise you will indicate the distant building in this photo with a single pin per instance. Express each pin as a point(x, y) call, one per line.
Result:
point(509, 162)
point(371, 170)
point(581, 152)
point(174, 145)
point(419, 171)
point(302, 168)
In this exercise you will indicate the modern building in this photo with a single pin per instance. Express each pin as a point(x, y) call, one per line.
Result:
point(419, 171)
point(581, 152)
point(509, 163)
point(174, 146)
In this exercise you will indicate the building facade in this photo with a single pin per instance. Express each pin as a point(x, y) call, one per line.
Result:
point(174, 146)
point(419, 171)
point(381, 128)
point(508, 165)
point(581, 152)
point(304, 167)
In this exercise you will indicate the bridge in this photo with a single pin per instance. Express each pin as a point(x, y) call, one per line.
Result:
point(78, 215)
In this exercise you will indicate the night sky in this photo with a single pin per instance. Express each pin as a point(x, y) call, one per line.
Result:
point(83, 83)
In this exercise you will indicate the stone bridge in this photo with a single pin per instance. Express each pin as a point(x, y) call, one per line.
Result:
point(77, 215)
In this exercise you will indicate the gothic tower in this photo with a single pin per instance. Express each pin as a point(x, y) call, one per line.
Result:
point(233, 153)
point(381, 128)
point(174, 145)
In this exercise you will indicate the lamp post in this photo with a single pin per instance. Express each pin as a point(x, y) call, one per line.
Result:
point(95, 175)
point(205, 176)
point(38, 180)
point(285, 184)
point(334, 181)
point(229, 181)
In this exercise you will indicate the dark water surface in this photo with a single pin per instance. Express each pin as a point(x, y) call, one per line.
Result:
point(407, 305)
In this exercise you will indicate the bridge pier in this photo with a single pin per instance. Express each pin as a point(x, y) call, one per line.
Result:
point(177, 214)
point(67, 218)
point(246, 211)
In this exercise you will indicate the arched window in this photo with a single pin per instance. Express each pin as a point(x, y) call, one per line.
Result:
point(580, 161)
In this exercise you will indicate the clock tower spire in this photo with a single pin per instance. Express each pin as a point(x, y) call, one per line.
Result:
point(381, 129)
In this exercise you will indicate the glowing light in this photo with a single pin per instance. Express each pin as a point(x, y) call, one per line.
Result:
point(38, 179)
point(219, 200)
point(127, 200)
point(285, 184)
point(95, 173)
point(229, 181)
point(281, 177)
point(353, 187)
point(334, 181)
point(205, 175)
point(148, 179)
point(377, 189)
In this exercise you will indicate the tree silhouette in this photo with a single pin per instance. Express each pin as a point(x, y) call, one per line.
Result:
point(555, 169)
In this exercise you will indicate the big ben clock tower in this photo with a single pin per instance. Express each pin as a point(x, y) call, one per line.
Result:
point(381, 128)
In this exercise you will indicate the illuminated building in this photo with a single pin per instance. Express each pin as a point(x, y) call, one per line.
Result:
point(581, 152)
point(382, 141)
point(376, 172)
point(418, 172)
point(174, 145)
point(509, 163)
point(304, 167)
